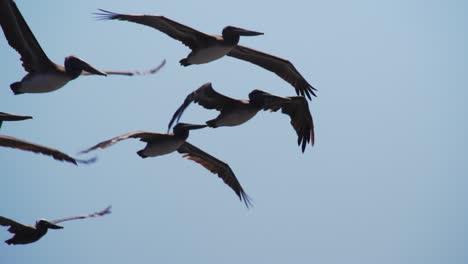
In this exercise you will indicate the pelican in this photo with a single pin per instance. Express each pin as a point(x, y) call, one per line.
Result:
point(206, 48)
point(12, 117)
point(26, 234)
point(158, 144)
point(236, 112)
point(43, 75)
point(12, 142)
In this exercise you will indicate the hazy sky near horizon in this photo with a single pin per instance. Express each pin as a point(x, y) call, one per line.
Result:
point(384, 183)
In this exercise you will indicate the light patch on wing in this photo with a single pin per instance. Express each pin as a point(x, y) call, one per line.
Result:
point(154, 149)
point(42, 83)
point(208, 54)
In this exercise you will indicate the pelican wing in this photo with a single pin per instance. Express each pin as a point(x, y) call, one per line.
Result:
point(283, 68)
point(21, 38)
point(215, 166)
point(301, 120)
point(296, 107)
point(187, 35)
point(205, 96)
point(15, 227)
point(131, 73)
point(142, 135)
point(12, 117)
point(96, 214)
point(12, 142)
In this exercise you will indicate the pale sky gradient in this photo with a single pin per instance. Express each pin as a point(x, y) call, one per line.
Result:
point(385, 183)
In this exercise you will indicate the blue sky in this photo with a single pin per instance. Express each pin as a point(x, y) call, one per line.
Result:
point(385, 182)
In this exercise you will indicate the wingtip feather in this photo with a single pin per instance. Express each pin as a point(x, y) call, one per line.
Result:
point(104, 15)
point(246, 199)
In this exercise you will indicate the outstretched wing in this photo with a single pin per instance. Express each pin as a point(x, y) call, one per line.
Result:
point(142, 135)
point(301, 120)
point(15, 227)
point(131, 73)
point(283, 68)
point(21, 38)
point(205, 96)
point(216, 166)
point(296, 107)
point(12, 142)
point(187, 35)
point(107, 210)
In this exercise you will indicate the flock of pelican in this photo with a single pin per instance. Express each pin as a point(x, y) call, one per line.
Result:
point(45, 76)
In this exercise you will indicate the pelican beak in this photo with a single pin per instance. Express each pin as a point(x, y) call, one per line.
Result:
point(53, 226)
point(85, 66)
point(193, 126)
point(246, 32)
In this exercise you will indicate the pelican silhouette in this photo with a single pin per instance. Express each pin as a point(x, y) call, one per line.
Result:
point(26, 234)
point(206, 48)
point(158, 144)
point(235, 112)
point(43, 75)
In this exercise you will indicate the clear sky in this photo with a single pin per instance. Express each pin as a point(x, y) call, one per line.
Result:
point(385, 182)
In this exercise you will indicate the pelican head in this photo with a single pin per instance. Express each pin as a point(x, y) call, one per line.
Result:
point(258, 92)
point(74, 66)
point(262, 99)
point(232, 34)
point(182, 129)
point(259, 97)
point(44, 225)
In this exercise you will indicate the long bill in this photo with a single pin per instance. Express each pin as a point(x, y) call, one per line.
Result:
point(246, 32)
point(193, 126)
point(87, 67)
point(53, 226)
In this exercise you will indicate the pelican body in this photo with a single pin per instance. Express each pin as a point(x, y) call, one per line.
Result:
point(206, 48)
point(235, 115)
point(26, 234)
point(234, 112)
point(43, 75)
point(53, 78)
point(158, 144)
point(216, 47)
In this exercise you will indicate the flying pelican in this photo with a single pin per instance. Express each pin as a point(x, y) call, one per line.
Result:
point(158, 144)
point(12, 117)
point(236, 112)
point(25, 234)
point(43, 75)
point(206, 48)
point(12, 142)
